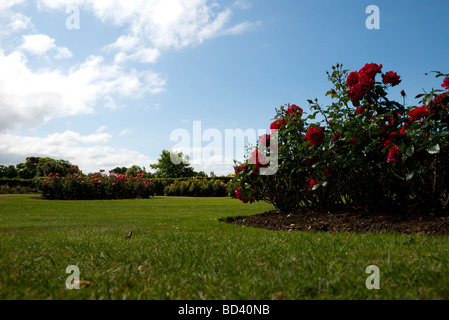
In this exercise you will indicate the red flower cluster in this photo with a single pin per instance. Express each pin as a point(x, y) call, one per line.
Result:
point(315, 136)
point(362, 82)
point(242, 168)
point(394, 155)
point(265, 140)
point(392, 78)
point(278, 124)
point(258, 159)
point(360, 110)
point(445, 83)
point(292, 109)
point(418, 113)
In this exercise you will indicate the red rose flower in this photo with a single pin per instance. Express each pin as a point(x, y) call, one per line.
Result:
point(258, 159)
point(313, 183)
point(394, 155)
point(293, 108)
point(392, 78)
point(418, 113)
point(445, 83)
point(238, 194)
point(315, 136)
point(440, 102)
point(403, 93)
point(370, 70)
point(336, 136)
point(352, 79)
point(360, 110)
point(277, 124)
point(358, 91)
point(265, 140)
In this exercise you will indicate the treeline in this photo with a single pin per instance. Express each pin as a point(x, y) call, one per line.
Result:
point(36, 167)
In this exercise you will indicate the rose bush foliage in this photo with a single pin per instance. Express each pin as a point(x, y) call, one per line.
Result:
point(78, 186)
point(366, 151)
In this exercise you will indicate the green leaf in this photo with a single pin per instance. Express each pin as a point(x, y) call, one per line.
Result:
point(409, 151)
point(444, 133)
point(434, 149)
point(427, 99)
point(409, 176)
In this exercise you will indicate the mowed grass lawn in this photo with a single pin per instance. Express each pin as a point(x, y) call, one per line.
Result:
point(181, 250)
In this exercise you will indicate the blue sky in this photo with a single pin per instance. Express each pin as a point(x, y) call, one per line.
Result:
point(112, 92)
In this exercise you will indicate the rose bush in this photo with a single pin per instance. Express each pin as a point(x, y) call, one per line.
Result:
point(197, 187)
point(366, 151)
point(77, 186)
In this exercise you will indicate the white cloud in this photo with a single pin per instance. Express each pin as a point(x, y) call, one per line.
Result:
point(41, 44)
point(157, 25)
point(125, 132)
point(89, 152)
point(63, 53)
point(31, 98)
point(38, 44)
point(242, 4)
point(12, 21)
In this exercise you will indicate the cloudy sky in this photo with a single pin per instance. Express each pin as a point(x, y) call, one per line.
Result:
point(108, 83)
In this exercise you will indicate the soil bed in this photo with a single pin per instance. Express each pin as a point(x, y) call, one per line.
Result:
point(353, 220)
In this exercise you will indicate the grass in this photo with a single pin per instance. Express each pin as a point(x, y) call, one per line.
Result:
point(181, 250)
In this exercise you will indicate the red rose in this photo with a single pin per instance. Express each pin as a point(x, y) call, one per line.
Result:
point(392, 78)
point(293, 108)
point(265, 140)
point(360, 110)
point(258, 159)
point(440, 102)
point(315, 136)
point(418, 113)
point(445, 83)
point(357, 92)
point(394, 155)
point(313, 183)
point(370, 70)
point(403, 93)
point(352, 79)
point(336, 136)
point(238, 194)
point(277, 124)
point(387, 143)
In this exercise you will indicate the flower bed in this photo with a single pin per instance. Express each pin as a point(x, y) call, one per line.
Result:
point(367, 151)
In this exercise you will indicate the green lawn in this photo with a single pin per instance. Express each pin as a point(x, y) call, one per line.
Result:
point(181, 250)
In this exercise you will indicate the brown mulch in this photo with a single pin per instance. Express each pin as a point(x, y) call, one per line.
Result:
point(353, 220)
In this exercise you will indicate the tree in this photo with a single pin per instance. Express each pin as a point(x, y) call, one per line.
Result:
point(48, 165)
point(119, 170)
point(11, 172)
point(135, 170)
point(166, 168)
point(2, 171)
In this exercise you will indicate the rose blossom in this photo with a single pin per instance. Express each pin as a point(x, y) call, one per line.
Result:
point(445, 83)
point(292, 109)
point(394, 155)
point(277, 124)
point(315, 136)
point(392, 78)
point(418, 113)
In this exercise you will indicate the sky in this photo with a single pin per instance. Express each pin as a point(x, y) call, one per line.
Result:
point(107, 84)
